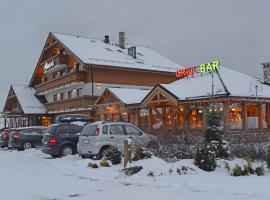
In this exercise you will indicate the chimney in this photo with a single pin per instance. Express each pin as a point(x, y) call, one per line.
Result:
point(266, 72)
point(106, 39)
point(132, 51)
point(122, 40)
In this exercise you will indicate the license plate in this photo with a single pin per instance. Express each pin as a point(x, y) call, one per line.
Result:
point(86, 141)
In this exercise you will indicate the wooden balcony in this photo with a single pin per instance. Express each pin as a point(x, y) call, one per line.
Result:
point(79, 76)
point(78, 103)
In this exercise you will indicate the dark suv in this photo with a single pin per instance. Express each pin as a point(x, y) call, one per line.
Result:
point(61, 139)
point(26, 137)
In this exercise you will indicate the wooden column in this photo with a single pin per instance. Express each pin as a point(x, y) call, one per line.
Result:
point(150, 118)
point(260, 116)
point(244, 116)
point(226, 117)
point(186, 118)
point(164, 117)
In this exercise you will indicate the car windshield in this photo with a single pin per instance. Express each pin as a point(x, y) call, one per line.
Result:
point(51, 129)
point(89, 130)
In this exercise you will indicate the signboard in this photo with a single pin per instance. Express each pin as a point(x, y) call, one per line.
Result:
point(212, 66)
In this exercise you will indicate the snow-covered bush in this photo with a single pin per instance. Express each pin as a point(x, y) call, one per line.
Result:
point(92, 165)
point(184, 170)
point(104, 163)
point(268, 157)
point(260, 170)
point(132, 170)
point(250, 145)
point(114, 155)
point(214, 134)
point(205, 157)
point(141, 154)
point(247, 170)
point(170, 147)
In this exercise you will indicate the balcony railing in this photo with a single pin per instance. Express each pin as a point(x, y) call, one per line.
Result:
point(78, 103)
point(78, 76)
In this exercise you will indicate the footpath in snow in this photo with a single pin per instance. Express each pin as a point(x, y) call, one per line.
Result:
point(32, 175)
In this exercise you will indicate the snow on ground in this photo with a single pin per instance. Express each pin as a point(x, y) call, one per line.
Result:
point(34, 175)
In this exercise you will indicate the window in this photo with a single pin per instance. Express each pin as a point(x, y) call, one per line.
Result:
point(55, 97)
point(157, 118)
point(252, 116)
point(124, 117)
point(79, 92)
point(196, 116)
point(61, 96)
point(105, 130)
point(54, 75)
point(89, 130)
point(63, 130)
point(235, 116)
point(144, 118)
point(130, 130)
point(181, 117)
point(116, 130)
point(70, 94)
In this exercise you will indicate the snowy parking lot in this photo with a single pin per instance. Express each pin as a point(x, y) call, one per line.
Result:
point(34, 175)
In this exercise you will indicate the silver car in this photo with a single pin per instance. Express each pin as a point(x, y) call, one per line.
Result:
point(96, 138)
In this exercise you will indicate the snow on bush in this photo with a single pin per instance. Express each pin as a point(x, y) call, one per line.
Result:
point(205, 157)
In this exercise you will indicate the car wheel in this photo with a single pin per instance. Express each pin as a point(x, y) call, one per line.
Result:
point(27, 145)
point(104, 152)
point(67, 150)
point(84, 156)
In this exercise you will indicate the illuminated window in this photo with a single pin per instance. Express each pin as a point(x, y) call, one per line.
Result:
point(181, 117)
point(235, 116)
point(196, 116)
point(124, 117)
point(144, 118)
point(252, 116)
point(157, 118)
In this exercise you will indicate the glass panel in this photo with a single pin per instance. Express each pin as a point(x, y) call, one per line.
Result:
point(157, 118)
point(116, 130)
point(252, 116)
point(181, 117)
point(196, 116)
point(169, 117)
point(235, 116)
point(130, 130)
point(105, 129)
point(124, 117)
point(144, 118)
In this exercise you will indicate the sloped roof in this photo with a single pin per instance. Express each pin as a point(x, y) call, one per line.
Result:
point(129, 96)
point(236, 83)
point(27, 99)
point(93, 51)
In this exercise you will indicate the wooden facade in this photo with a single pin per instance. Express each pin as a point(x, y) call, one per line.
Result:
point(69, 69)
point(162, 112)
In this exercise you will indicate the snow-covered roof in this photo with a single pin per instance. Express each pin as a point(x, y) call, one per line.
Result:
point(93, 51)
point(129, 96)
point(27, 99)
point(236, 83)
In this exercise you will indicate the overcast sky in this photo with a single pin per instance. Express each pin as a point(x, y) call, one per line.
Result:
point(190, 32)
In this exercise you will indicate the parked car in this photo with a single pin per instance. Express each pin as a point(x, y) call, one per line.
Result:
point(4, 137)
point(61, 139)
point(97, 138)
point(26, 137)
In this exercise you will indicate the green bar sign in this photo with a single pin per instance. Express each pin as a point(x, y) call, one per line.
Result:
point(215, 65)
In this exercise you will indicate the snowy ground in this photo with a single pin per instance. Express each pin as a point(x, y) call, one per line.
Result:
point(33, 175)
